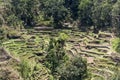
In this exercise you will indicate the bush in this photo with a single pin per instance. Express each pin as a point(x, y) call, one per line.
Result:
point(7, 32)
point(14, 22)
point(116, 45)
point(63, 36)
point(75, 69)
point(116, 75)
point(56, 53)
point(26, 69)
point(3, 32)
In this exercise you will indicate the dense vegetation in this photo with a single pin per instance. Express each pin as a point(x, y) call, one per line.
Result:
point(100, 14)
point(84, 43)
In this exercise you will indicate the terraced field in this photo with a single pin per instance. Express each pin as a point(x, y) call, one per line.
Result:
point(29, 47)
point(95, 48)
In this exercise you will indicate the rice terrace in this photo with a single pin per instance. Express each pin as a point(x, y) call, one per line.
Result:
point(59, 39)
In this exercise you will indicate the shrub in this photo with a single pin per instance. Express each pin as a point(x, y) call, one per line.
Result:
point(26, 69)
point(7, 32)
point(75, 69)
point(63, 36)
point(116, 75)
point(116, 44)
point(56, 53)
point(3, 32)
point(14, 22)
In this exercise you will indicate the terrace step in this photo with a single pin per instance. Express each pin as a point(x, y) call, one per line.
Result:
point(96, 76)
point(105, 35)
point(103, 50)
point(73, 52)
point(91, 51)
point(106, 73)
point(98, 46)
point(88, 54)
point(41, 74)
point(43, 28)
point(36, 32)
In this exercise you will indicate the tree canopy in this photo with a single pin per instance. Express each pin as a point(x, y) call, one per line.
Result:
point(98, 13)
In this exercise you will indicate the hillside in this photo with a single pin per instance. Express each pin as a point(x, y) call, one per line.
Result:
point(95, 48)
point(59, 39)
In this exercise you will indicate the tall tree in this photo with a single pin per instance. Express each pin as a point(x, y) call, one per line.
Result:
point(56, 10)
point(24, 10)
point(72, 6)
point(85, 12)
point(56, 53)
point(116, 17)
point(101, 14)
